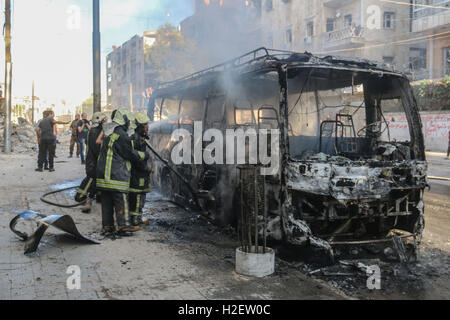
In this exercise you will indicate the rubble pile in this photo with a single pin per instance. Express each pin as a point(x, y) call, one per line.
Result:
point(23, 136)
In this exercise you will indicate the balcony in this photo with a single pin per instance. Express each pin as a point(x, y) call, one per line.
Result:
point(426, 18)
point(430, 9)
point(344, 38)
point(336, 4)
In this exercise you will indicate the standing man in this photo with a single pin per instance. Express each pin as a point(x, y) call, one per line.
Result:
point(114, 173)
point(46, 139)
point(140, 172)
point(88, 186)
point(74, 138)
point(38, 134)
point(83, 128)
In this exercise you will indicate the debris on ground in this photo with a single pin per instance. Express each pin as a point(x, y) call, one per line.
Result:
point(398, 278)
point(23, 136)
point(62, 222)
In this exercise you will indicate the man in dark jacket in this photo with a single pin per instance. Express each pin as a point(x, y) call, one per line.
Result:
point(38, 134)
point(114, 173)
point(88, 186)
point(140, 172)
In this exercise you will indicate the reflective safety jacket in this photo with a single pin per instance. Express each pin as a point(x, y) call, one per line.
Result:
point(92, 151)
point(140, 171)
point(114, 162)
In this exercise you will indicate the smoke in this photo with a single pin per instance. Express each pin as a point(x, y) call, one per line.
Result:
point(167, 11)
point(223, 29)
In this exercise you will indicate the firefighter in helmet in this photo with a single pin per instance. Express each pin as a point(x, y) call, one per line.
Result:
point(114, 173)
point(88, 186)
point(140, 171)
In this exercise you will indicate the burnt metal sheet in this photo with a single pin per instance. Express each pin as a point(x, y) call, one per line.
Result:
point(62, 222)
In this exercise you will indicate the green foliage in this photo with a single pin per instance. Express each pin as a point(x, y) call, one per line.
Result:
point(171, 56)
point(433, 95)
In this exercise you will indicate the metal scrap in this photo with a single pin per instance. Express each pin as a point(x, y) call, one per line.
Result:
point(62, 222)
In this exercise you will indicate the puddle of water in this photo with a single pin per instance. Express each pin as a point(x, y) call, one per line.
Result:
point(69, 184)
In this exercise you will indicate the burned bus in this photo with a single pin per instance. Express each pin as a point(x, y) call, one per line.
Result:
point(343, 175)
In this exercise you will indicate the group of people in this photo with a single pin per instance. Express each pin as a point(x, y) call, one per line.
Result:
point(116, 163)
point(117, 169)
point(80, 128)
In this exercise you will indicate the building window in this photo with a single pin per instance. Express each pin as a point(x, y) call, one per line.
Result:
point(310, 29)
point(109, 77)
point(418, 58)
point(447, 61)
point(348, 20)
point(389, 19)
point(330, 24)
point(109, 63)
point(289, 35)
point(269, 5)
point(388, 60)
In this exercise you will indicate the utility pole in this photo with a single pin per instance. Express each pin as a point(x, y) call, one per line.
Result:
point(96, 57)
point(32, 103)
point(8, 77)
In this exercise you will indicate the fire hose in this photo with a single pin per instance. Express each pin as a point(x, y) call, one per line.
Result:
point(183, 179)
point(166, 164)
point(68, 206)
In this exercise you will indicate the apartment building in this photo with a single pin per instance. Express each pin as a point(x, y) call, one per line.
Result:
point(369, 29)
point(129, 78)
point(430, 54)
point(223, 29)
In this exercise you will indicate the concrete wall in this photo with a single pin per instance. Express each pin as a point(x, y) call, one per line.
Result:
point(295, 15)
point(436, 126)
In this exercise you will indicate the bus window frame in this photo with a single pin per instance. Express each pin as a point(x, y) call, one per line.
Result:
point(254, 122)
point(222, 108)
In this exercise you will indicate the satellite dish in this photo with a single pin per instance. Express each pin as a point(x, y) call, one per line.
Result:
point(338, 15)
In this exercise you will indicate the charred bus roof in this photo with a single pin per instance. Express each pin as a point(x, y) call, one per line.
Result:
point(264, 60)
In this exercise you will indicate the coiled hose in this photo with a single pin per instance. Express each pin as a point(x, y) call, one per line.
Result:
point(67, 206)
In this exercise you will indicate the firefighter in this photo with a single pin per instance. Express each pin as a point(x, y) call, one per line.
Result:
point(140, 172)
point(114, 173)
point(87, 188)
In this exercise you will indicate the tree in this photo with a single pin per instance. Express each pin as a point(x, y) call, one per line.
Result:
point(433, 95)
point(171, 56)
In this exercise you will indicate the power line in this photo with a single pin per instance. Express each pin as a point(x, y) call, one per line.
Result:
point(415, 4)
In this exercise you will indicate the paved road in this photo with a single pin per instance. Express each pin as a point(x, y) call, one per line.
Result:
point(179, 256)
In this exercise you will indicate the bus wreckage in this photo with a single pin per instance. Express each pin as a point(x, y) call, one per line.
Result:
point(343, 178)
